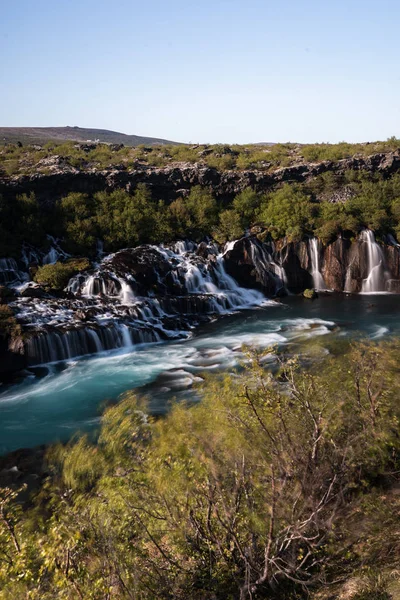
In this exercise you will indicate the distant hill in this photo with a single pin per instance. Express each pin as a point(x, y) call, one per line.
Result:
point(42, 135)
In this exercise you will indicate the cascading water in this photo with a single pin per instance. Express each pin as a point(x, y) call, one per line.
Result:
point(377, 276)
point(10, 273)
point(318, 280)
point(266, 266)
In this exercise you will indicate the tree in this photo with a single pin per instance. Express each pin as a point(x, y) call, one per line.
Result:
point(288, 212)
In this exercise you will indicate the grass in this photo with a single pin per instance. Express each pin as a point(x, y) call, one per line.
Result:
point(15, 160)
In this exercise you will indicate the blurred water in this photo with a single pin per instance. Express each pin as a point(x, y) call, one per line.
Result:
point(71, 396)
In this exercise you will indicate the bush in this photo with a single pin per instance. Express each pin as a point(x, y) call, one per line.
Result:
point(288, 212)
point(56, 276)
point(229, 227)
point(244, 495)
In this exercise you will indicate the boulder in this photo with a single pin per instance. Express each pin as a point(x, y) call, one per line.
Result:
point(33, 291)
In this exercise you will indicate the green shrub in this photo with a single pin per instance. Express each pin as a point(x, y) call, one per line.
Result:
point(197, 504)
point(56, 276)
point(288, 212)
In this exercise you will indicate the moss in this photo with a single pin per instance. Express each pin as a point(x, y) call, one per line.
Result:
point(310, 294)
point(57, 275)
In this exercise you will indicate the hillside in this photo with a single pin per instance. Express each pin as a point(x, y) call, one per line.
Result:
point(42, 135)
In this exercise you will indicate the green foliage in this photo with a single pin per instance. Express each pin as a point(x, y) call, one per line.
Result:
point(125, 220)
point(21, 220)
point(326, 206)
point(248, 494)
point(246, 204)
point(288, 212)
point(57, 275)
point(193, 216)
point(229, 226)
point(26, 160)
point(310, 294)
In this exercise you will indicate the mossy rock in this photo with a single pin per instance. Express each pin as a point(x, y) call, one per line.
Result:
point(56, 276)
point(310, 294)
point(9, 327)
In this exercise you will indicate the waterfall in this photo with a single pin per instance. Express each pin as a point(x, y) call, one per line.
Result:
point(10, 273)
point(318, 280)
point(181, 247)
point(347, 283)
point(377, 276)
point(52, 346)
point(198, 277)
point(266, 265)
point(135, 296)
point(51, 257)
point(126, 295)
point(391, 240)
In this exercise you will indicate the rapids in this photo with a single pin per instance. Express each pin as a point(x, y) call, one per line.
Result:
point(69, 396)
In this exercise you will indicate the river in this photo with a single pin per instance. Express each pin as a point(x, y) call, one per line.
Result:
point(71, 396)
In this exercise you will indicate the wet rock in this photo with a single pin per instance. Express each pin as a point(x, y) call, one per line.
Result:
point(241, 264)
point(33, 291)
point(393, 286)
point(145, 264)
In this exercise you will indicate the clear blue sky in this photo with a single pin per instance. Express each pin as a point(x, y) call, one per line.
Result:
point(205, 70)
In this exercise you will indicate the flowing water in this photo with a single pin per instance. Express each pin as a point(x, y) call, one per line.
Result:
point(70, 395)
point(318, 280)
point(377, 275)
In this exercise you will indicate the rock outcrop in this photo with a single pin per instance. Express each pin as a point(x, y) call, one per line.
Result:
point(169, 182)
point(344, 265)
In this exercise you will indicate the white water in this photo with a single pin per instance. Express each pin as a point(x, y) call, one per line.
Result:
point(210, 279)
point(318, 280)
point(108, 313)
point(377, 276)
point(70, 397)
point(10, 274)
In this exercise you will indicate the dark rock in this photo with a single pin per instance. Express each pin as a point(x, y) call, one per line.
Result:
point(248, 268)
point(6, 294)
point(167, 181)
point(294, 258)
point(203, 250)
point(33, 291)
point(145, 264)
point(88, 147)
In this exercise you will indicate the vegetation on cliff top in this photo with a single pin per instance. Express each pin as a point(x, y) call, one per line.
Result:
point(272, 487)
point(16, 160)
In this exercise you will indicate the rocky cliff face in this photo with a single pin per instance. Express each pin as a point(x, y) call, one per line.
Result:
point(361, 265)
point(151, 294)
point(169, 182)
